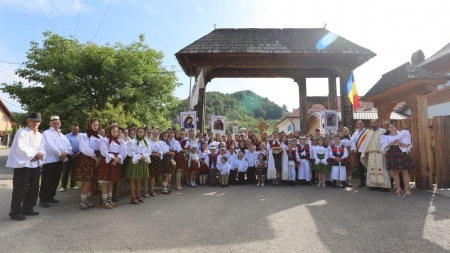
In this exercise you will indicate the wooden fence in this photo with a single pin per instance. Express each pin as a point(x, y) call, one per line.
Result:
point(439, 134)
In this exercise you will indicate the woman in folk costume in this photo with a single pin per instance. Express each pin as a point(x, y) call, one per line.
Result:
point(304, 169)
point(397, 156)
point(161, 161)
point(293, 158)
point(338, 157)
point(203, 171)
point(89, 162)
point(190, 142)
point(139, 152)
point(321, 154)
point(278, 159)
point(180, 158)
point(193, 164)
point(113, 151)
point(168, 159)
point(352, 160)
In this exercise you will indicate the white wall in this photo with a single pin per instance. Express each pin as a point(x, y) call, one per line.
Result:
point(439, 110)
point(283, 126)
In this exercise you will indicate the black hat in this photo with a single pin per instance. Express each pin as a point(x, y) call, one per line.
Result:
point(35, 116)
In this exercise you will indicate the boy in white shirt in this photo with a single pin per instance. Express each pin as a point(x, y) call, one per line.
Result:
point(251, 157)
point(241, 165)
point(224, 170)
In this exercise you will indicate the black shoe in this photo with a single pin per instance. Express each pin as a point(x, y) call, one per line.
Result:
point(226, 185)
point(44, 204)
point(223, 186)
point(115, 199)
point(362, 184)
point(53, 200)
point(19, 217)
point(334, 184)
point(308, 183)
point(32, 212)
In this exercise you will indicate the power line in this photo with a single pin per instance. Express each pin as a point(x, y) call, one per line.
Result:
point(10, 103)
point(11, 62)
point(10, 76)
point(53, 16)
point(78, 20)
point(102, 20)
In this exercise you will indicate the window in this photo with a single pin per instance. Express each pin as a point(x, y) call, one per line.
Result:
point(289, 127)
point(4, 118)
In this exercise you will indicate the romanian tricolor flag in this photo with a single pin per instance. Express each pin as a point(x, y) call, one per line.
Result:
point(350, 90)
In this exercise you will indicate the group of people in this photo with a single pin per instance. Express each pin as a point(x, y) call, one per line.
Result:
point(123, 160)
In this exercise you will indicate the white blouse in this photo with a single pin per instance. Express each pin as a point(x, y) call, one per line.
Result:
point(386, 139)
point(159, 147)
point(89, 145)
point(107, 148)
point(25, 146)
point(323, 151)
point(137, 151)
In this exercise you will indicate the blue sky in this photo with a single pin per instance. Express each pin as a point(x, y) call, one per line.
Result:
point(391, 29)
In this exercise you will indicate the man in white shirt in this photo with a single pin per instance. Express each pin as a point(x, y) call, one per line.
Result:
point(27, 151)
point(57, 146)
point(252, 157)
point(357, 145)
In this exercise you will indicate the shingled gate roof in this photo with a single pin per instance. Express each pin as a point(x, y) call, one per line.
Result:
point(399, 75)
point(271, 41)
point(440, 54)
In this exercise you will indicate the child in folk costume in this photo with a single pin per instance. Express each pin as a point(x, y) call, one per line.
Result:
point(321, 154)
point(89, 162)
point(251, 156)
point(190, 143)
point(338, 156)
point(180, 159)
point(232, 157)
point(352, 160)
point(139, 151)
point(293, 158)
point(241, 165)
point(304, 169)
point(113, 153)
point(224, 170)
point(277, 159)
point(261, 169)
point(161, 161)
point(193, 164)
point(203, 171)
point(211, 161)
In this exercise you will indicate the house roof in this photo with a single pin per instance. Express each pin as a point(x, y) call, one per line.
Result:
point(399, 75)
point(438, 55)
point(271, 41)
point(5, 109)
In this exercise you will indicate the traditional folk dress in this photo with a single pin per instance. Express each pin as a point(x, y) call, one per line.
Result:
point(211, 161)
point(193, 162)
point(277, 159)
point(202, 154)
point(110, 149)
point(160, 164)
point(175, 147)
point(304, 169)
point(261, 168)
point(338, 169)
point(87, 169)
point(373, 159)
point(352, 160)
point(181, 157)
point(136, 149)
point(293, 158)
point(321, 154)
point(396, 158)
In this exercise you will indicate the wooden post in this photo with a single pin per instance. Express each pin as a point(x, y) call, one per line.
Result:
point(421, 154)
point(332, 93)
point(301, 81)
point(346, 105)
point(261, 127)
point(442, 141)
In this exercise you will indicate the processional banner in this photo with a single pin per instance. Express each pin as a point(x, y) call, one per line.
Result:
point(219, 124)
point(188, 120)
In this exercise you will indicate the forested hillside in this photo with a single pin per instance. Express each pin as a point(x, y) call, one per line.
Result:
point(246, 107)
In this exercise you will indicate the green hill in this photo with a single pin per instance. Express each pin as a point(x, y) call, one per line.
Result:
point(246, 107)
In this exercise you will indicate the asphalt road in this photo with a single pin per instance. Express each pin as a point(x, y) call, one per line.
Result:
point(235, 219)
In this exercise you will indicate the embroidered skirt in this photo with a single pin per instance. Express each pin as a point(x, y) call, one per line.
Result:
point(165, 165)
point(87, 169)
point(398, 160)
point(203, 168)
point(352, 160)
point(277, 159)
point(194, 167)
point(261, 172)
point(137, 171)
point(181, 161)
point(154, 166)
point(321, 167)
point(109, 172)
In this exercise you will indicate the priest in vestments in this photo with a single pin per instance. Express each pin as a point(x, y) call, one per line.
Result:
point(373, 159)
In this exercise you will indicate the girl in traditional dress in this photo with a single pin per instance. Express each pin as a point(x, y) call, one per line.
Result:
point(397, 157)
point(293, 159)
point(139, 152)
point(166, 164)
point(352, 160)
point(179, 158)
point(321, 165)
point(113, 151)
point(338, 157)
point(89, 162)
point(193, 164)
point(203, 171)
point(261, 169)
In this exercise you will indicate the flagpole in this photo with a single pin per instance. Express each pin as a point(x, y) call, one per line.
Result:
point(189, 97)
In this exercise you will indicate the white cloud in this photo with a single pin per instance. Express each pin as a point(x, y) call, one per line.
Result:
point(45, 7)
point(199, 9)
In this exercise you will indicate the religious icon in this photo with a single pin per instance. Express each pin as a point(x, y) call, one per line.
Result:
point(219, 124)
point(188, 120)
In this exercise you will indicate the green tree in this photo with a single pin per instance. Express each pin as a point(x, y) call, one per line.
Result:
point(76, 81)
